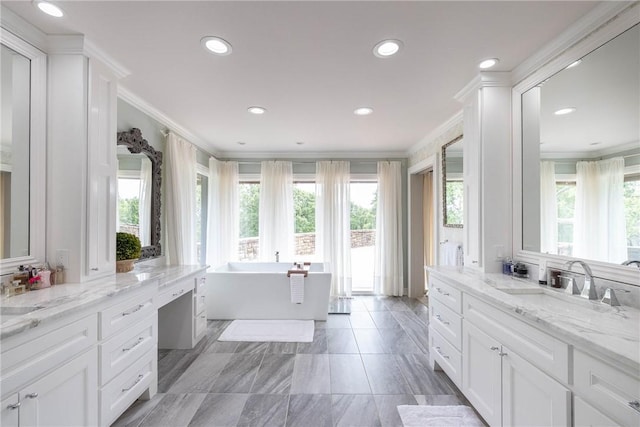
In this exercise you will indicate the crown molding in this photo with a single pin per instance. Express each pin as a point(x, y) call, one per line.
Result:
point(23, 29)
point(445, 127)
point(65, 44)
point(93, 51)
point(316, 155)
point(484, 79)
point(142, 105)
point(603, 23)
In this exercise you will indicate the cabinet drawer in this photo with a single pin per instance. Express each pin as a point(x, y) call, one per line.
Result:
point(201, 285)
point(447, 294)
point(199, 303)
point(126, 347)
point(125, 388)
point(607, 388)
point(544, 351)
point(174, 291)
point(199, 325)
point(447, 323)
point(449, 359)
point(25, 362)
point(129, 312)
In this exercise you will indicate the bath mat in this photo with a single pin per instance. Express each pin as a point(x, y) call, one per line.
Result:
point(269, 331)
point(339, 305)
point(441, 416)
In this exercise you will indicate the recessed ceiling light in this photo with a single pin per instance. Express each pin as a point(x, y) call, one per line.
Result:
point(488, 63)
point(50, 9)
point(387, 48)
point(563, 111)
point(256, 110)
point(216, 45)
point(363, 111)
point(574, 64)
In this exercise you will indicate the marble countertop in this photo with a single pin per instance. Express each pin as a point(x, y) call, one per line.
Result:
point(61, 300)
point(613, 332)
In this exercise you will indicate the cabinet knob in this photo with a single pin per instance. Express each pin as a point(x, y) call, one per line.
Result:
point(635, 405)
point(441, 319)
point(14, 406)
point(31, 395)
point(494, 348)
point(474, 262)
point(95, 269)
point(503, 354)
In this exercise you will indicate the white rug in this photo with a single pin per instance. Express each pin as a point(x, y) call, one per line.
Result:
point(269, 331)
point(441, 416)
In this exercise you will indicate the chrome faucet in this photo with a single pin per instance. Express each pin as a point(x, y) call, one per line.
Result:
point(277, 256)
point(588, 290)
point(632, 261)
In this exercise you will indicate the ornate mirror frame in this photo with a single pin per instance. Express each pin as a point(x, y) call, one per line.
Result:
point(444, 183)
point(135, 143)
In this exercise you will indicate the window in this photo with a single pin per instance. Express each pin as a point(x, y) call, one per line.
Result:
point(632, 215)
point(304, 202)
point(364, 200)
point(202, 192)
point(249, 196)
point(129, 204)
point(566, 201)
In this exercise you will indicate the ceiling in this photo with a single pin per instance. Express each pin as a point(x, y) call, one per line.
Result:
point(309, 63)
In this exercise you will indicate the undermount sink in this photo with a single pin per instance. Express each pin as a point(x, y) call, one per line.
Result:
point(17, 311)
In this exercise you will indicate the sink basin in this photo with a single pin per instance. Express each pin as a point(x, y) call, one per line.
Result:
point(17, 311)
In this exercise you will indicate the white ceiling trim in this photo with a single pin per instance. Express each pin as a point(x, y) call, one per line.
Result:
point(316, 155)
point(554, 54)
point(445, 127)
point(93, 51)
point(21, 28)
point(142, 105)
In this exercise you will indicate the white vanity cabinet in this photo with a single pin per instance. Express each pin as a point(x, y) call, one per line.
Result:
point(50, 376)
point(182, 318)
point(585, 415)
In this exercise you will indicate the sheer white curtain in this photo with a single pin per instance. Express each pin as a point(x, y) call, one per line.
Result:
point(600, 229)
point(389, 263)
point(181, 201)
point(276, 223)
point(223, 224)
point(144, 200)
point(333, 222)
point(548, 208)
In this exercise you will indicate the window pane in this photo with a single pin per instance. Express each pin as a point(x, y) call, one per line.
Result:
point(128, 205)
point(566, 192)
point(202, 192)
point(249, 196)
point(364, 200)
point(632, 214)
point(304, 202)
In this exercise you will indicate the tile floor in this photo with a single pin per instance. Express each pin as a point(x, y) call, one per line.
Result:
point(358, 368)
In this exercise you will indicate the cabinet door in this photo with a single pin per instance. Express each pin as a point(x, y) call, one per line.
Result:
point(102, 171)
point(481, 373)
point(68, 396)
point(531, 397)
point(586, 416)
point(10, 410)
point(472, 167)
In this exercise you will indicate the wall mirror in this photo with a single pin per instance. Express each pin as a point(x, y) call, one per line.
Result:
point(139, 191)
point(452, 183)
point(581, 157)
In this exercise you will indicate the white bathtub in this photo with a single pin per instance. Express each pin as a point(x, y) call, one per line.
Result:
point(260, 290)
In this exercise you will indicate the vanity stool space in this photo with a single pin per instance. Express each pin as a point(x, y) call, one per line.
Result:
point(84, 355)
point(524, 355)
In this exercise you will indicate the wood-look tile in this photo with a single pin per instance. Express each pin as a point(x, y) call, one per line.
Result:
point(361, 320)
point(421, 379)
point(137, 412)
point(222, 347)
point(274, 375)
point(348, 375)
point(384, 375)
point(384, 320)
point(311, 374)
point(354, 410)
point(252, 347)
point(309, 410)
point(220, 410)
point(439, 400)
point(387, 408)
point(202, 373)
point(375, 304)
point(412, 303)
point(320, 324)
point(238, 375)
point(268, 410)
point(341, 341)
point(358, 305)
point(172, 366)
point(174, 410)
point(369, 341)
point(338, 321)
point(420, 338)
point(318, 346)
point(395, 304)
point(423, 313)
point(397, 341)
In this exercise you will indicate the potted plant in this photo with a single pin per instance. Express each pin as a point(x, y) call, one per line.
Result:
point(128, 249)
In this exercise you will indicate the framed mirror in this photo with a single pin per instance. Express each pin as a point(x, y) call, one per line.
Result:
point(452, 183)
point(139, 191)
point(581, 157)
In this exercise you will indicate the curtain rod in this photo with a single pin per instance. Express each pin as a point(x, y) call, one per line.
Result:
point(310, 162)
point(589, 160)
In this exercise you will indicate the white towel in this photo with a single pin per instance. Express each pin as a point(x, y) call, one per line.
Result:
point(440, 416)
point(452, 254)
point(296, 281)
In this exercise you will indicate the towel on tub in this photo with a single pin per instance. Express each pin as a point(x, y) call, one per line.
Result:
point(296, 281)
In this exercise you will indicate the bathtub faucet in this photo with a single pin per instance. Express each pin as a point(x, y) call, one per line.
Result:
point(277, 256)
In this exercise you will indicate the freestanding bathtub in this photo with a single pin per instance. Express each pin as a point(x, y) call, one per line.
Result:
point(260, 290)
